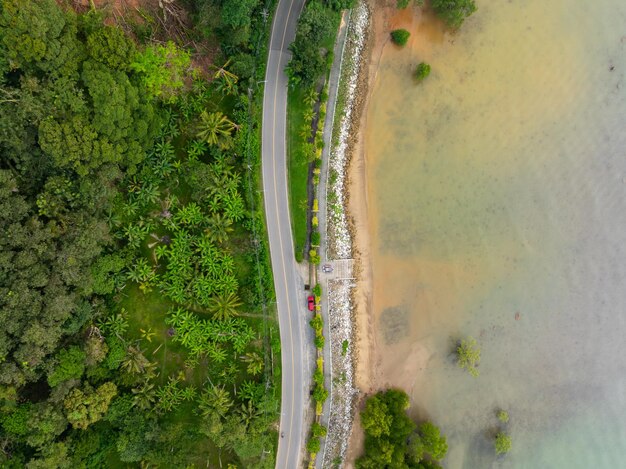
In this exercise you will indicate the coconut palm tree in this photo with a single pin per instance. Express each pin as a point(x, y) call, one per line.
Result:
point(144, 395)
point(226, 80)
point(215, 129)
point(218, 228)
point(135, 362)
point(248, 413)
point(310, 97)
point(224, 306)
point(215, 399)
point(254, 361)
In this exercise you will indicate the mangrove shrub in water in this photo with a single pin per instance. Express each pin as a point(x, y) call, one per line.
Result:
point(422, 71)
point(393, 440)
point(502, 443)
point(453, 12)
point(400, 36)
point(468, 356)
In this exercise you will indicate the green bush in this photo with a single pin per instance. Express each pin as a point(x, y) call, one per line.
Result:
point(344, 347)
point(400, 36)
point(318, 430)
point(313, 445)
point(319, 341)
point(320, 394)
point(317, 290)
point(422, 71)
point(315, 239)
point(317, 323)
point(503, 416)
point(318, 377)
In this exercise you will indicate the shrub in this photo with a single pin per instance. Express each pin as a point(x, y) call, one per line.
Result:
point(313, 446)
point(503, 416)
point(320, 363)
point(318, 377)
point(320, 394)
point(400, 36)
point(422, 71)
point(468, 356)
point(317, 324)
point(344, 347)
point(315, 239)
point(502, 443)
point(317, 290)
point(319, 342)
point(318, 430)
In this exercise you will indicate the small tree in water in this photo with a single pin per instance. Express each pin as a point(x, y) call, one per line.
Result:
point(503, 416)
point(502, 443)
point(422, 71)
point(468, 356)
point(400, 36)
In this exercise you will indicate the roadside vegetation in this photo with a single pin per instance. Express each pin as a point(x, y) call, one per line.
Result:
point(134, 275)
point(308, 69)
point(320, 393)
point(392, 439)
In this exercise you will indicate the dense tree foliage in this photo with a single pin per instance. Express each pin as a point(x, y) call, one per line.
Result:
point(453, 12)
point(392, 440)
point(315, 24)
point(120, 187)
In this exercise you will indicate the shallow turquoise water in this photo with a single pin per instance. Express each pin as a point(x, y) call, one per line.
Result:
point(498, 190)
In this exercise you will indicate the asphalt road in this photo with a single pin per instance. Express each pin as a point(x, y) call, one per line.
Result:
point(287, 281)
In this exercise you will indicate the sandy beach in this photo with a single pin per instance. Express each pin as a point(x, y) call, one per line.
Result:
point(368, 378)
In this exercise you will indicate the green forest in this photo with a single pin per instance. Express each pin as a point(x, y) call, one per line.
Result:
point(135, 286)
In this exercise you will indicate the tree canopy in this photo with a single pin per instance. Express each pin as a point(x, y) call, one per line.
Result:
point(314, 25)
point(393, 440)
point(453, 12)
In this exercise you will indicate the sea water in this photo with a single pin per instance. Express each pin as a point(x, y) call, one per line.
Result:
point(497, 189)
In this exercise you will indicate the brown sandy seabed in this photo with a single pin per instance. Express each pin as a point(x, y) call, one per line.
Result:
point(369, 367)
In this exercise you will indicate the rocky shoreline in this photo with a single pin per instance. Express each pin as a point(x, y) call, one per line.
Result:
point(352, 90)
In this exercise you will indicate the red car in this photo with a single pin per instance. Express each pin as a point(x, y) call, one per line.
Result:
point(311, 303)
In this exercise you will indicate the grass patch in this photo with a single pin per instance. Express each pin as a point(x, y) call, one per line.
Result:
point(297, 159)
point(297, 169)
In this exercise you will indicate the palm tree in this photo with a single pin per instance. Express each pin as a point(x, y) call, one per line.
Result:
point(310, 97)
point(145, 395)
point(226, 80)
point(224, 306)
point(215, 129)
point(254, 361)
point(218, 227)
point(248, 413)
point(135, 362)
point(215, 399)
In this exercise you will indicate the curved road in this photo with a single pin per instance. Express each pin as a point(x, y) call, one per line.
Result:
point(287, 280)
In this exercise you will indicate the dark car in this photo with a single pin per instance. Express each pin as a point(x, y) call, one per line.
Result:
point(311, 303)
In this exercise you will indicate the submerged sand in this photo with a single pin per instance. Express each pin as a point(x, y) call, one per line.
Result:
point(489, 201)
